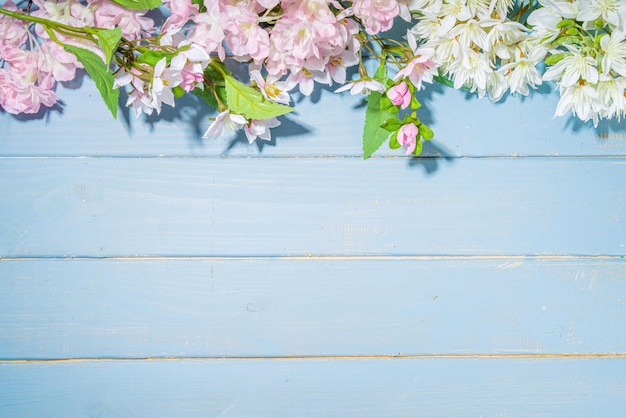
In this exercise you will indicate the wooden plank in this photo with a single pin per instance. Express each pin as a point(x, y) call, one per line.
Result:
point(54, 309)
point(317, 388)
point(327, 124)
point(249, 207)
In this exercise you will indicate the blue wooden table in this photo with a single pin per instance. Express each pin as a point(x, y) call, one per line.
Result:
point(145, 272)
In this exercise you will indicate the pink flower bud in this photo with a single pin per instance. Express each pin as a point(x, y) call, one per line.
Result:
point(407, 137)
point(400, 95)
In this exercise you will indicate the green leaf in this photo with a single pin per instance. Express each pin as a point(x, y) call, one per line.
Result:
point(444, 81)
point(373, 134)
point(385, 102)
point(565, 23)
point(553, 59)
point(391, 124)
point(108, 40)
point(381, 72)
point(418, 147)
point(207, 95)
point(139, 4)
point(178, 92)
point(566, 40)
point(213, 84)
point(200, 4)
point(246, 101)
point(101, 75)
point(216, 70)
point(426, 132)
point(151, 57)
point(393, 141)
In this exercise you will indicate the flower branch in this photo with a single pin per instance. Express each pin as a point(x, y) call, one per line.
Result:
point(488, 47)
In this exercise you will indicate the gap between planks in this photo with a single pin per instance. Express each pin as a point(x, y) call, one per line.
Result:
point(313, 156)
point(534, 257)
point(544, 356)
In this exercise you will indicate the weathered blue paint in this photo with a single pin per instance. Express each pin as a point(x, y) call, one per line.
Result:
point(297, 307)
point(101, 207)
point(118, 250)
point(432, 387)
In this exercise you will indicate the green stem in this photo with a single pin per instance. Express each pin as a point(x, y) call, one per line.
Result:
point(213, 64)
point(59, 27)
point(34, 19)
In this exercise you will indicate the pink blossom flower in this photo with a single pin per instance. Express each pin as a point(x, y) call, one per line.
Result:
point(54, 59)
point(192, 62)
point(133, 23)
point(400, 95)
point(23, 63)
point(65, 11)
point(208, 31)
point(268, 4)
point(181, 12)
point(243, 35)
point(407, 137)
point(419, 69)
point(376, 15)
point(336, 67)
point(12, 31)
point(297, 37)
point(18, 95)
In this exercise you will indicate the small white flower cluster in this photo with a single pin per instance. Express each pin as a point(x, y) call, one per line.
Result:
point(478, 47)
point(583, 42)
point(588, 62)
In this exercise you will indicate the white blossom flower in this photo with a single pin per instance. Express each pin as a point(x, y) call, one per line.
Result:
point(573, 68)
point(447, 51)
point(544, 22)
point(432, 6)
point(614, 49)
point(164, 79)
point(431, 26)
point(224, 120)
point(456, 9)
point(567, 9)
point(609, 10)
point(504, 32)
point(522, 74)
point(272, 88)
point(260, 129)
point(479, 8)
point(142, 102)
point(470, 32)
point(496, 86)
point(501, 7)
point(471, 70)
point(582, 100)
point(611, 95)
point(362, 86)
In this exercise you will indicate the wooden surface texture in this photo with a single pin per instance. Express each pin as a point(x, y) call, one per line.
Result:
point(145, 272)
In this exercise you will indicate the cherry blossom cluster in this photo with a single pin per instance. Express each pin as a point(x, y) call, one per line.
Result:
point(32, 60)
point(490, 47)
